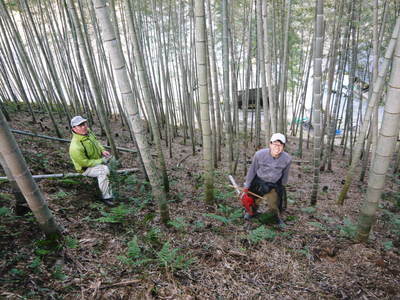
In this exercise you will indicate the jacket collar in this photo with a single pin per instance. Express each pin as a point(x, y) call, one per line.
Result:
point(81, 137)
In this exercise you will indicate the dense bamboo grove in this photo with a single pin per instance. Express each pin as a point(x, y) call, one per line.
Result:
point(167, 68)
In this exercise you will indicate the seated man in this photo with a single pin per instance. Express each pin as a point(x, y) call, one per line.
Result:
point(268, 172)
point(89, 156)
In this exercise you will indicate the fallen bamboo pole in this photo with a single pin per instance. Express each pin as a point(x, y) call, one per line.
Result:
point(68, 175)
point(62, 140)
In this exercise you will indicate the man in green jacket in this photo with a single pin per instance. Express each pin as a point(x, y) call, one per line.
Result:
point(89, 156)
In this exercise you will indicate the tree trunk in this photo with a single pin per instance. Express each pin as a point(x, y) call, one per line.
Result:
point(225, 55)
point(25, 62)
point(118, 63)
point(384, 151)
point(214, 76)
point(94, 84)
point(319, 33)
point(283, 77)
point(261, 55)
point(14, 160)
point(268, 70)
point(331, 72)
point(376, 94)
point(201, 54)
point(147, 95)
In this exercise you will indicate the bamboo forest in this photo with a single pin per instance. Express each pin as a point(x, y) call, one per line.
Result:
point(200, 149)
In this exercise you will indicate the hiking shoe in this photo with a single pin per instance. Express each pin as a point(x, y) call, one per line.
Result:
point(108, 202)
point(247, 216)
point(281, 223)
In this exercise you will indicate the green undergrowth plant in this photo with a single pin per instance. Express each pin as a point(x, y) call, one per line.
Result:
point(45, 247)
point(5, 211)
point(117, 181)
point(147, 218)
point(153, 238)
point(290, 199)
point(261, 233)
point(329, 219)
point(394, 221)
point(135, 256)
point(49, 247)
point(348, 229)
point(396, 198)
point(95, 206)
point(8, 217)
point(171, 259)
point(167, 257)
point(120, 214)
point(223, 195)
point(61, 195)
point(35, 264)
point(123, 184)
point(11, 106)
point(266, 218)
point(140, 202)
point(15, 272)
point(5, 197)
point(58, 273)
point(305, 251)
point(291, 218)
point(308, 210)
point(39, 160)
point(67, 182)
point(393, 197)
point(317, 225)
point(14, 264)
point(227, 214)
point(199, 225)
point(307, 169)
point(71, 242)
point(388, 245)
point(179, 224)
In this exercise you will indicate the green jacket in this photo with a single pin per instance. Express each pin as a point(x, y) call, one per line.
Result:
point(85, 151)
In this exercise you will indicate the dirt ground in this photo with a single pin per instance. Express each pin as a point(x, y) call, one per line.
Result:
point(125, 252)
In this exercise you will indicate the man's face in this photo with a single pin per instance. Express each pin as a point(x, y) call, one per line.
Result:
point(81, 129)
point(276, 148)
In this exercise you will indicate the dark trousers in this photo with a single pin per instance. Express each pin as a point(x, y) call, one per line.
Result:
point(262, 188)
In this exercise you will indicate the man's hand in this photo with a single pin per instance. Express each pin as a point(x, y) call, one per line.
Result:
point(106, 154)
point(243, 192)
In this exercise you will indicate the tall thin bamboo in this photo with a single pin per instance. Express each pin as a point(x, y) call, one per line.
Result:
point(119, 67)
point(319, 33)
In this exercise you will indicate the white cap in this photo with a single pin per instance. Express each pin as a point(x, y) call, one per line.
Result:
point(77, 120)
point(278, 137)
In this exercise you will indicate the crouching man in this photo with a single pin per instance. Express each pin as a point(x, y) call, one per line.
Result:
point(268, 173)
point(89, 156)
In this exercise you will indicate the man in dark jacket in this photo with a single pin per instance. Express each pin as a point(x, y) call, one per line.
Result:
point(89, 156)
point(268, 173)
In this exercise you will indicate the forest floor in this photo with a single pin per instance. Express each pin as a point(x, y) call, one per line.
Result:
point(124, 252)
